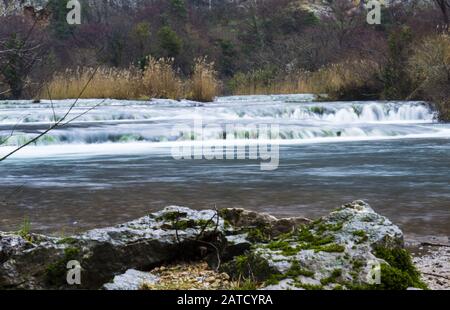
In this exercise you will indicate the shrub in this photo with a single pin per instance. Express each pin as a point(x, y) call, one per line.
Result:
point(399, 273)
point(396, 82)
point(429, 69)
point(25, 229)
point(169, 41)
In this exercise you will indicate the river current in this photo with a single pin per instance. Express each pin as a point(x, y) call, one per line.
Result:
point(115, 163)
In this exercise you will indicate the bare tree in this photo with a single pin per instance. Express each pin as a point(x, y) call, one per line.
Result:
point(345, 18)
point(17, 60)
point(22, 48)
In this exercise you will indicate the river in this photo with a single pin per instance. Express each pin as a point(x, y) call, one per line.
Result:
point(115, 163)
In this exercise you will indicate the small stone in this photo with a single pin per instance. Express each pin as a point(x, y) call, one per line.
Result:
point(210, 279)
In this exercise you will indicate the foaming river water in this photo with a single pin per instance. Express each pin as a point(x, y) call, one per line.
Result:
point(114, 163)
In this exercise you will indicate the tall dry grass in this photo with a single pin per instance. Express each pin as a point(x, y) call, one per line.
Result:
point(101, 83)
point(350, 79)
point(203, 85)
point(345, 80)
point(288, 85)
point(159, 79)
point(265, 81)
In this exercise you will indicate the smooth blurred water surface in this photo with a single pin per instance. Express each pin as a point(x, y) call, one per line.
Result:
point(114, 164)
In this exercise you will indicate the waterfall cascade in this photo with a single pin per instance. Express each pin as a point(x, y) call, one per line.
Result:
point(298, 117)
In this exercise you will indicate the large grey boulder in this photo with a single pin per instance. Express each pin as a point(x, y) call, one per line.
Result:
point(345, 249)
point(37, 262)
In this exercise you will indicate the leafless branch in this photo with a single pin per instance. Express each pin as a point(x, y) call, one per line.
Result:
point(84, 113)
point(435, 244)
point(57, 123)
point(51, 102)
point(206, 225)
point(13, 130)
point(436, 275)
point(201, 234)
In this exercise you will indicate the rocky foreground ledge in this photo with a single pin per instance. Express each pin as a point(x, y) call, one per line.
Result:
point(347, 249)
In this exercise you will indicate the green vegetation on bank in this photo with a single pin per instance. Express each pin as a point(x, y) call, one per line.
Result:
point(56, 272)
point(399, 273)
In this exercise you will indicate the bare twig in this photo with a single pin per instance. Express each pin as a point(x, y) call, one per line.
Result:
point(51, 102)
point(215, 248)
point(435, 244)
point(206, 225)
point(5, 91)
point(201, 234)
point(13, 130)
point(56, 124)
point(436, 275)
point(84, 113)
point(176, 228)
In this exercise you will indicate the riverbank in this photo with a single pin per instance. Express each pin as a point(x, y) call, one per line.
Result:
point(432, 258)
point(351, 248)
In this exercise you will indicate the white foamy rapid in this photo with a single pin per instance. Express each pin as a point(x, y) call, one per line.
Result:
point(139, 124)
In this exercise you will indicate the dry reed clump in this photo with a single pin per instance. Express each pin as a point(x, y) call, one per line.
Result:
point(203, 85)
point(160, 80)
point(97, 83)
point(264, 81)
point(350, 79)
point(288, 85)
point(345, 80)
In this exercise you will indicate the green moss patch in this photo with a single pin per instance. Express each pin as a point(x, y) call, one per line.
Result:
point(332, 278)
point(172, 216)
point(309, 287)
point(182, 223)
point(249, 266)
point(258, 234)
point(399, 273)
point(361, 236)
point(293, 273)
point(330, 248)
point(56, 272)
point(68, 240)
point(284, 247)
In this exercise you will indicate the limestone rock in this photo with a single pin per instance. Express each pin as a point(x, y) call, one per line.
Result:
point(336, 251)
point(173, 233)
point(241, 218)
point(131, 280)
